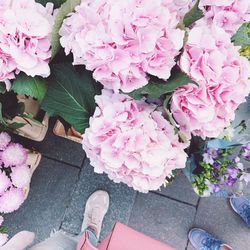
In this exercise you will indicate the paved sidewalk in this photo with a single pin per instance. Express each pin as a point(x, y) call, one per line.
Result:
point(64, 180)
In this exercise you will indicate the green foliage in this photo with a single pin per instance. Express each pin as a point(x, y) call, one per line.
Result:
point(35, 87)
point(242, 36)
point(157, 87)
point(2, 88)
point(193, 15)
point(66, 8)
point(71, 95)
point(57, 3)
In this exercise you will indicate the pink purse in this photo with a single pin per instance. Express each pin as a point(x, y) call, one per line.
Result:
point(125, 238)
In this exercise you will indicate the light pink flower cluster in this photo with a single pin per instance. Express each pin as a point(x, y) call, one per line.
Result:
point(132, 142)
point(14, 174)
point(227, 14)
point(180, 6)
point(25, 27)
point(222, 74)
point(3, 236)
point(121, 40)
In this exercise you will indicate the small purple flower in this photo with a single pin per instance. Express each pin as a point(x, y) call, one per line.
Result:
point(213, 152)
point(231, 181)
point(216, 165)
point(208, 159)
point(232, 171)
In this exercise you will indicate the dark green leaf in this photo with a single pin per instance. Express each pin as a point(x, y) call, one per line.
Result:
point(9, 104)
point(2, 88)
point(193, 15)
point(31, 86)
point(155, 89)
point(71, 95)
point(63, 11)
point(242, 36)
point(15, 125)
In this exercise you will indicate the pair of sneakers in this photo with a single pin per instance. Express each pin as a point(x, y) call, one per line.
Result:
point(202, 240)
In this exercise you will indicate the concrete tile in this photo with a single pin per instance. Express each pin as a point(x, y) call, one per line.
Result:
point(50, 193)
point(180, 189)
point(163, 219)
point(121, 201)
point(216, 216)
point(56, 147)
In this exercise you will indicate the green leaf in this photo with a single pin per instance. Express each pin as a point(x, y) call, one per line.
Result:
point(35, 87)
point(242, 36)
point(57, 3)
point(63, 11)
point(2, 88)
point(193, 15)
point(155, 89)
point(71, 95)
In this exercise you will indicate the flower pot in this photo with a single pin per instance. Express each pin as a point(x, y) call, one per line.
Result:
point(34, 129)
point(72, 134)
point(33, 161)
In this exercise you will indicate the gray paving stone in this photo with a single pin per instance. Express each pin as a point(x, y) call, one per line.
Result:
point(121, 201)
point(180, 189)
point(164, 219)
point(50, 193)
point(216, 216)
point(56, 147)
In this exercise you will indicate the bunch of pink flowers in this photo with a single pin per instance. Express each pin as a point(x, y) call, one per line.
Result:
point(222, 74)
point(122, 41)
point(25, 28)
point(132, 142)
point(15, 175)
point(227, 14)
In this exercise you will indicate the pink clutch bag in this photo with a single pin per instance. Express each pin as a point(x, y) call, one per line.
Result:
point(125, 238)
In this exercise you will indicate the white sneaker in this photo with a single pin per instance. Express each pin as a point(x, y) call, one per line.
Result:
point(96, 207)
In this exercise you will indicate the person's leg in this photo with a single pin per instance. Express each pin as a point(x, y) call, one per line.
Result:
point(58, 241)
point(95, 210)
point(200, 239)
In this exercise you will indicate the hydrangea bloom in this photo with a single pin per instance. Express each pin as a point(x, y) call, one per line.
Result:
point(227, 14)
point(201, 110)
point(121, 41)
point(180, 6)
point(25, 27)
point(4, 140)
point(132, 142)
point(21, 176)
point(11, 200)
point(215, 64)
point(5, 182)
point(14, 155)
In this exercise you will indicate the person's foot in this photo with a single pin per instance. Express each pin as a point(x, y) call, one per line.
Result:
point(201, 240)
point(241, 206)
point(96, 207)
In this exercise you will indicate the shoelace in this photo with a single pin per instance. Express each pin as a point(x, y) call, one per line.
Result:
point(210, 244)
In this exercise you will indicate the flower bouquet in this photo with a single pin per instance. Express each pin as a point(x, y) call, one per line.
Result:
point(138, 79)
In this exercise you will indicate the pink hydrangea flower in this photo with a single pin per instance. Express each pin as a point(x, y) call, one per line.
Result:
point(14, 155)
point(121, 41)
point(11, 200)
point(25, 28)
point(203, 111)
point(5, 139)
point(227, 14)
point(215, 64)
point(5, 182)
point(132, 142)
point(180, 6)
point(21, 176)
